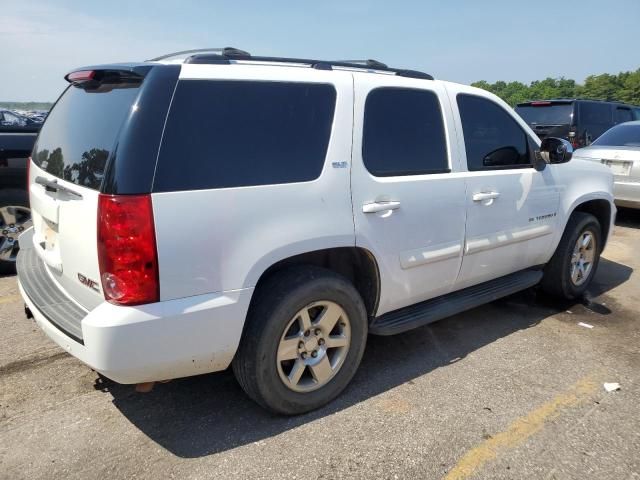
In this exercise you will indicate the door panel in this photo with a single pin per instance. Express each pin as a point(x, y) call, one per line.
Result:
point(412, 223)
point(513, 231)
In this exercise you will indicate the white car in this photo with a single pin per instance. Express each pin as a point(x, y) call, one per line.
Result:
point(619, 149)
point(213, 208)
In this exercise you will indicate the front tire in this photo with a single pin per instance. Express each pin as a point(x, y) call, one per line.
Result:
point(304, 338)
point(574, 263)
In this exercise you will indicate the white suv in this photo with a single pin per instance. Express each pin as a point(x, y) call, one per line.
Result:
point(212, 208)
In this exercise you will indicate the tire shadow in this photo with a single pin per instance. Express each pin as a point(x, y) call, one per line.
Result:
point(207, 414)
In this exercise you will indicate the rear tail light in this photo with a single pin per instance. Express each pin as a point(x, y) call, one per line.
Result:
point(127, 251)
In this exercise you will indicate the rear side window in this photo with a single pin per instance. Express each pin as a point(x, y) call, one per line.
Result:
point(492, 138)
point(222, 134)
point(403, 133)
point(81, 131)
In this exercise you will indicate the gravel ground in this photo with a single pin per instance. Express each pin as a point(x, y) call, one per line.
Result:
point(513, 389)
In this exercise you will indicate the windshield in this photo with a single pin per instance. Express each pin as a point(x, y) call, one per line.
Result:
point(546, 113)
point(81, 132)
point(620, 136)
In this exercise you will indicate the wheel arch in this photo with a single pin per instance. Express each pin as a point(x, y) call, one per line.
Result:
point(600, 208)
point(356, 264)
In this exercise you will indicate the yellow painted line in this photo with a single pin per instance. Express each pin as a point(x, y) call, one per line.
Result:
point(520, 430)
point(9, 298)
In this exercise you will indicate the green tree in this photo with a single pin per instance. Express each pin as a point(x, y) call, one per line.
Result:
point(624, 87)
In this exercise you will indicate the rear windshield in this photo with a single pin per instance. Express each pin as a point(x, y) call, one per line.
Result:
point(620, 136)
point(81, 132)
point(222, 134)
point(546, 114)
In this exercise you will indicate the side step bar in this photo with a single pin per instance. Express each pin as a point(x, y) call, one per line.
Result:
point(447, 305)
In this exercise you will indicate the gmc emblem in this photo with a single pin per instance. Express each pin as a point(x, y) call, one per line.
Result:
point(87, 282)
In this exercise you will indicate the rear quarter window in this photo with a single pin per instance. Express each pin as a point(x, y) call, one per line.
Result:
point(594, 113)
point(223, 134)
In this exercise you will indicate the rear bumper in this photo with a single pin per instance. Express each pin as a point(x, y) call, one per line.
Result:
point(158, 341)
point(627, 193)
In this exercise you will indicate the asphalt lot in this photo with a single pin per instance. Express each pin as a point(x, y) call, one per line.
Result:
point(513, 389)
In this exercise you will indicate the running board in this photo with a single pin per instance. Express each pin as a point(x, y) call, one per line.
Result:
point(447, 305)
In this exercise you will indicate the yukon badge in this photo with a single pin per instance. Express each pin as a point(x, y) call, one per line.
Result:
point(87, 282)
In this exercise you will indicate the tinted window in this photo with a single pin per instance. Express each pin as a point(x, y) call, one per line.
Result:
point(81, 132)
point(594, 113)
point(623, 115)
point(238, 133)
point(492, 138)
point(543, 113)
point(403, 133)
point(621, 135)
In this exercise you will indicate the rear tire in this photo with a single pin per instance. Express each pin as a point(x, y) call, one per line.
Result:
point(303, 341)
point(575, 261)
point(15, 217)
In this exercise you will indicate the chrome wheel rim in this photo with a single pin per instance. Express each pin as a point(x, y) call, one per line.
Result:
point(584, 254)
point(13, 221)
point(313, 347)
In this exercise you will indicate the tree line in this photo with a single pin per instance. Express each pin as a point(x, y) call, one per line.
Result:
point(623, 87)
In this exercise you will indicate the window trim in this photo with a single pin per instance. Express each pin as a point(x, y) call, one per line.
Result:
point(404, 173)
point(530, 141)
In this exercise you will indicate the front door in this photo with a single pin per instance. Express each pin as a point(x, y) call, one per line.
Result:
point(511, 207)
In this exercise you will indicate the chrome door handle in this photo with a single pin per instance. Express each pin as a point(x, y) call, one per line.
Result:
point(380, 207)
point(479, 197)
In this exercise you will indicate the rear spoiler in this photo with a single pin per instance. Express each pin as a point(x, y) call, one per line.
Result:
point(93, 76)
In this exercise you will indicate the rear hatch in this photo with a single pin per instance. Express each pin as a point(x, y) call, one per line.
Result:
point(548, 118)
point(70, 158)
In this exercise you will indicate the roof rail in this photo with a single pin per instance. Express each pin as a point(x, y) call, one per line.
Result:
point(229, 54)
point(367, 63)
point(225, 51)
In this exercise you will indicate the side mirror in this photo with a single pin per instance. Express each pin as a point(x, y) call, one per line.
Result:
point(555, 150)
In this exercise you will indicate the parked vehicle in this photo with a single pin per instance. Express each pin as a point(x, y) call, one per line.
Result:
point(619, 149)
point(16, 143)
point(19, 121)
point(579, 121)
point(269, 213)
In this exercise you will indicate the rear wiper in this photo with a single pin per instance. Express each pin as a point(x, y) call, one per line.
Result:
point(53, 186)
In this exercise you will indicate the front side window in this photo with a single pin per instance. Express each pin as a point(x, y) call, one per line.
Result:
point(235, 133)
point(403, 133)
point(492, 138)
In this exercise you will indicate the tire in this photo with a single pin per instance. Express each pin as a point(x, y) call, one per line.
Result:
point(274, 323)
point(557, 279)
point(15, 203)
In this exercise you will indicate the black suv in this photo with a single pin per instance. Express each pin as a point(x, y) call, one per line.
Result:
point(579, 121)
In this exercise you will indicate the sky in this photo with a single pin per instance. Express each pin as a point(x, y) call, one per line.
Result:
point(457, 40)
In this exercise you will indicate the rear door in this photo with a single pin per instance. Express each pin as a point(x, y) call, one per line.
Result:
point(69, 162)
point(408, 205)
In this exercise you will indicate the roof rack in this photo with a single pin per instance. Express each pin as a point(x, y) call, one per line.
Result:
point(228, 54)
point(225, 51)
